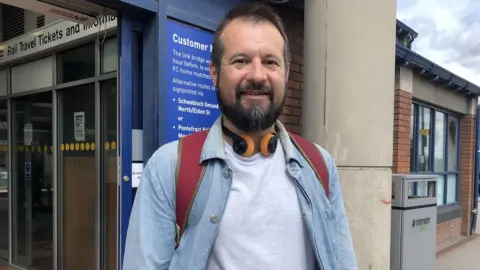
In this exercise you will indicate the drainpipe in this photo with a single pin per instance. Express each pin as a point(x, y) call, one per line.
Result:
point(477, 174)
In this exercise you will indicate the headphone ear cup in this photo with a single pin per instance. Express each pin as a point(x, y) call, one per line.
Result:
point(250, 146)
point(264, 144)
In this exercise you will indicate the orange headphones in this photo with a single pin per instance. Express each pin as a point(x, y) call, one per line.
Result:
point(243, 145)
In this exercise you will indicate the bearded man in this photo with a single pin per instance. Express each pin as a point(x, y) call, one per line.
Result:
point(259, 200)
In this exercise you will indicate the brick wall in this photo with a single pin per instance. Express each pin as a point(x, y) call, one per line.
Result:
point(448, 233)
point(401, 132)
point(292, 113)
point(467, 162)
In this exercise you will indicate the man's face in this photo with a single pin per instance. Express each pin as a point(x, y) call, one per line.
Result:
point(251, 82)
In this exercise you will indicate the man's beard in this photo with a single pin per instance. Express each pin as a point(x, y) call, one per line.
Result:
point(255, 118)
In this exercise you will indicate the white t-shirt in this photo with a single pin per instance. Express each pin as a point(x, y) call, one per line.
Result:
point(262, 226)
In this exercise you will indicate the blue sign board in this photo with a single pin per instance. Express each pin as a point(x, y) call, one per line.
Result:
point(191, 99)
point(28, 171)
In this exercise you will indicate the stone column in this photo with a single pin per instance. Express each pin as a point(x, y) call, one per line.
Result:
point(348, 108)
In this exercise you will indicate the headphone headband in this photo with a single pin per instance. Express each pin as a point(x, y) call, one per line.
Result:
point(245, 146)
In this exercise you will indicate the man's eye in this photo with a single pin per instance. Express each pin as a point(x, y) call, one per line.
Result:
point(240, 61)
point(270, 62)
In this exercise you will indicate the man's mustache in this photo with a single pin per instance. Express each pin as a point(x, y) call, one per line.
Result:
point(256, 88)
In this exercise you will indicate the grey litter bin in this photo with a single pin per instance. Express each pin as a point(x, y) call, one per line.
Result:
point(414, 222)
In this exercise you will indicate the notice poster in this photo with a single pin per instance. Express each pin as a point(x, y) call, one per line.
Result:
point(28, 134)
point(191, 98)
point(79, 126)
point(137, 170)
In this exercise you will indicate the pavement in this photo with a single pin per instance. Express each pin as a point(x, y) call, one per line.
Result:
point(461, 257)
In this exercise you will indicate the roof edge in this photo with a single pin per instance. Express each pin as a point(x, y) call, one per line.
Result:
point(434, 72)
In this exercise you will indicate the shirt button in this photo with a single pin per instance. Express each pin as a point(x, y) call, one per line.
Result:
point(214, 218)
point(226, 173)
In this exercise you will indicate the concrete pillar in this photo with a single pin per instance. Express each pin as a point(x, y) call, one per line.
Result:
point(348, 106)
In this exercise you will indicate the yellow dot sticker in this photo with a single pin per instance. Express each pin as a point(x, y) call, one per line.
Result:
point(77, 146)
point(114, 145)
point(87, 146)
point(67, 146)
point(107, 146)
point(62, 147)
point(93, 146)
point(71, 146)
point(82, 146)
point(45, 148)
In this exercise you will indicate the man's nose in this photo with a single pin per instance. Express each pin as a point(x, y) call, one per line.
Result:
point(257, 72)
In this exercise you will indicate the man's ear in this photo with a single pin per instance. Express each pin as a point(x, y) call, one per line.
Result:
point(213, 73)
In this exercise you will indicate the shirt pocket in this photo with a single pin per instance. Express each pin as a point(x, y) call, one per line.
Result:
point(332, 228)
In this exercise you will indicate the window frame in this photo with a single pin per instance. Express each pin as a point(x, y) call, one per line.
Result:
point(414, 147)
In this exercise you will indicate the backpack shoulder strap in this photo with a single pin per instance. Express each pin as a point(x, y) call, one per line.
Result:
point(189, 174)
point(314, 158)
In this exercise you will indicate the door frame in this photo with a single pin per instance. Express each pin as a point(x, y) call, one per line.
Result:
point(125, 125)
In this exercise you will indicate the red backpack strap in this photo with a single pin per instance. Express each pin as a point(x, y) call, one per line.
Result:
point(314, 158)
point(188, 177)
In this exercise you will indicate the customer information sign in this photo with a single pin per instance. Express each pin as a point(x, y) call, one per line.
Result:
point(191, 98)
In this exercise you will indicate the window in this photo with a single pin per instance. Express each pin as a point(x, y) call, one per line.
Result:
point(434, 150)
point(76, 64)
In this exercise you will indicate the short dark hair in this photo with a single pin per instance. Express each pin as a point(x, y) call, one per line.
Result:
point(250, 11)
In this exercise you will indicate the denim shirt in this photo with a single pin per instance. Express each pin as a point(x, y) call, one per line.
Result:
point(150, 243)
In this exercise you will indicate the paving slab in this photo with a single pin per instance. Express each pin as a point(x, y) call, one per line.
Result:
point(463, 256)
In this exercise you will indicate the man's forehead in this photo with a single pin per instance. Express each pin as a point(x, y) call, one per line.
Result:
point(233, 34)
point(238, 24)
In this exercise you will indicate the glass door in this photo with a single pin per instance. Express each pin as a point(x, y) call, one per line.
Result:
point(32, 181)
point(77, 177)
point(87, 175)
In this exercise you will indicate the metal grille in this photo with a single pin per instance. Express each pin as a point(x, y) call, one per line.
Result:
point(40, 21)
point(13, 22)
